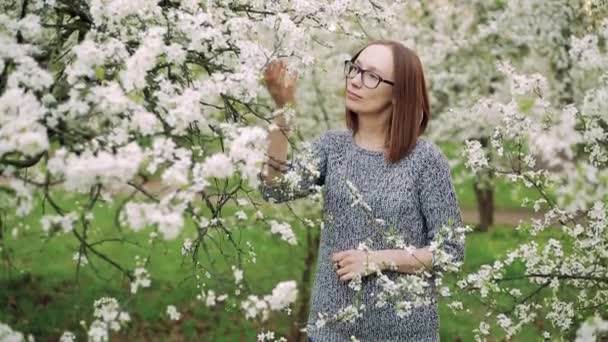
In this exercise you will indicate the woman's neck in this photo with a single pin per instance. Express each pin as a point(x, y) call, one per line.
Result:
point(372, 128)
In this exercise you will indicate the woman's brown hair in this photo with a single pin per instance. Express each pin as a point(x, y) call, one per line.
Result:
point(411, 101)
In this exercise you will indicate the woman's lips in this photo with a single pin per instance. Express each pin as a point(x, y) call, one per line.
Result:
point(353, 95)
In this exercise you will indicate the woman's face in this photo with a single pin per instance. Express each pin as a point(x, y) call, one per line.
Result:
point(379, 60)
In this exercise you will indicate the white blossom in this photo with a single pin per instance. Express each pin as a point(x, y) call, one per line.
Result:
point(67, 336)
point(218, 165)
point(475, 158)
point(284, 230)
point(173, 313)
point(108, 317)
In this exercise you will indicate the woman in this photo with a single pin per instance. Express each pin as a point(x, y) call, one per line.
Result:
point(404, 179)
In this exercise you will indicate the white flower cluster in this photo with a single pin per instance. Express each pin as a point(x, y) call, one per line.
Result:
point(108, 317)
point(238, 274)
point(350, 313)
point(142, 276)
point(523, 84)
point(82, 171)
point(240, 215)
point(165, 151)
point(357, 197)
point(474, 154)
point(10, 335)
point(245, 154)
point(80, 258)
point(20, 128)
point(53, 223)
point(284, 230)
point(284, 294)
point(346, 314)
point(186, 246)
point(217, 165)
point(67, 336)
point(89, 54)
point(556, 143)
point(247, 150)
point(561, 314)
point(173, 313)
point(144, 59)
point(591, 328)
point(112, 13)
point(269, 336)
point(210, 297)
point(405, 293)
point(585, 52)
point(23, 198)
point(483, 279)
point(167, 218)
point(27, 73)
point(303, 170)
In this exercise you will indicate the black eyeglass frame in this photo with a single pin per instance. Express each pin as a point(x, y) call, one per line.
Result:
point(348, 63)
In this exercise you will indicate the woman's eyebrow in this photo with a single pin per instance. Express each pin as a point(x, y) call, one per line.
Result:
point(370, 68)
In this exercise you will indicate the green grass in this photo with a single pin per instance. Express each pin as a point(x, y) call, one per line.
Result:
point(47, 297)
point(44, 297)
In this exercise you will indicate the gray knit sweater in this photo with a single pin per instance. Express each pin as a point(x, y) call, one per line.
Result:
point(416, 196)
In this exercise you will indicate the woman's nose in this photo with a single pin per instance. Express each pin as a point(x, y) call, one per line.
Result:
point(357, 81)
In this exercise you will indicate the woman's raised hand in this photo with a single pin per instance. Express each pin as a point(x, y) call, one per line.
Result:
point(279, 83)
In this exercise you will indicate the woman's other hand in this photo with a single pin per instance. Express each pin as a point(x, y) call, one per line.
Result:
point(280, 84)
point(354, 262)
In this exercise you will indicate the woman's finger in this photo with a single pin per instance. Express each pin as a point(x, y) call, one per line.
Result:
point(343, 270)
point(272, 69)
point(275, 70)
point(345, 277)
point(346, 261)
point(268, 73)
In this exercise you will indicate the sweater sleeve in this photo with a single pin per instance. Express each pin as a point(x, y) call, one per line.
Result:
point(305, 173)
point(440, 208)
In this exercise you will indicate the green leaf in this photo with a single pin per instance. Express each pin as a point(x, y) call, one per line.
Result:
point(100, 72)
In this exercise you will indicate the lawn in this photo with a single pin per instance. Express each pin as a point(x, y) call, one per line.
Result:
point(45, 293)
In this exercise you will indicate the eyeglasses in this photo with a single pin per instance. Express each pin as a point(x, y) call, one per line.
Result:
point(370, 80)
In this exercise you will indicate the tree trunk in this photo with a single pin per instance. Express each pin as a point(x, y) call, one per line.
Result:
point(485, 205)
point(301, 317)
point(483, 186)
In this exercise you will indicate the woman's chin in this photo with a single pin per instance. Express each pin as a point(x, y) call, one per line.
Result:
point(351, 106)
